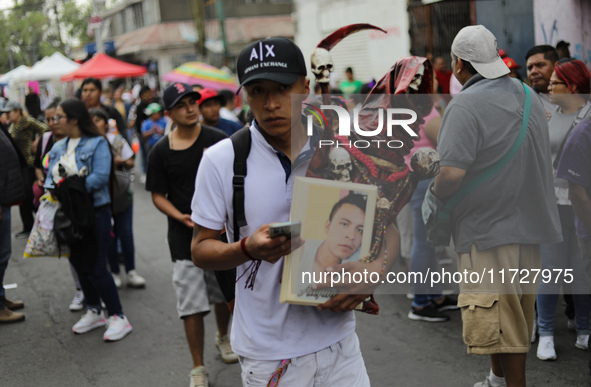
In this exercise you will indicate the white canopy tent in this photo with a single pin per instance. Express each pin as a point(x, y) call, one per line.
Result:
point(47, 71)
point(10, 76)
point(50, 68)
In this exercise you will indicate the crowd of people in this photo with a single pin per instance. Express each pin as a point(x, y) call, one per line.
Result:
point(532, 211)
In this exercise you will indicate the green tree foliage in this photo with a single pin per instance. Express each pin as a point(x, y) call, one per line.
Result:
point(33, 29)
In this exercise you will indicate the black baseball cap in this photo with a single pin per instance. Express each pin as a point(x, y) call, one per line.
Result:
point(174, 92)
point(276, 59)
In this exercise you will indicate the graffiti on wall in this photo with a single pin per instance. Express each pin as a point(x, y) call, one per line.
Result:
point(551, 36)
point(548, 37)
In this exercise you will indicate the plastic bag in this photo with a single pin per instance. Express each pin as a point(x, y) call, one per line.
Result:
point(42, 241)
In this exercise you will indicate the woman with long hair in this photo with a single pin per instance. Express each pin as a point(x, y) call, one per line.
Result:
point(85, 150)
point(41, 163)
point(568, 88)
point(123, 217)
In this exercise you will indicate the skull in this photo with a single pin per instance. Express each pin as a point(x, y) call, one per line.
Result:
point(417, 79)
point(321, 64)
point(425, 163)
point(340, 164)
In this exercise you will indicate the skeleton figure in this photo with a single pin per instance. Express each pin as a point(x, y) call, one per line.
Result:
point(321, 64)
point(417, 79)
point(425, 163)
point(340, 164)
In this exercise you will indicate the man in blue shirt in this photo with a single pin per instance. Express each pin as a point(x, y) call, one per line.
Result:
point(209, 105)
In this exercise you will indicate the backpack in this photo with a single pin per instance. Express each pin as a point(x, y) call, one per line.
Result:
point(241, 142)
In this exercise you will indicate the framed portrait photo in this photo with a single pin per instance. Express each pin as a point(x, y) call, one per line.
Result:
point(337, 221)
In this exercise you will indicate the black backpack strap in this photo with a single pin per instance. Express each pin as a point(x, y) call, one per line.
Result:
point(241, 142)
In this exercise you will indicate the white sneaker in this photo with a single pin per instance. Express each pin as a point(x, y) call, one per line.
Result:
point(582, 342)
point(546, 348)
point(134, 280)
point(198, 377)
point(488, 383)
point(570, 324)
point(77, 302)
point(117, 279)
point(117, 328)
point(226, 352)
point(92, 319)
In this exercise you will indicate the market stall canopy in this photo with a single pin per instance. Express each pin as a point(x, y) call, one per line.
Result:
point(103, 66)
point(10, 76)
point(203, 74)
point(52, 67)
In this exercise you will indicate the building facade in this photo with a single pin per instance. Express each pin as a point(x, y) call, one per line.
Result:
point(162, 35)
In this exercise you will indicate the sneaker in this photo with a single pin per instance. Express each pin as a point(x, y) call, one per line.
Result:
point(198, 377)
point(23, 234)
point(92, 319)
point(546, 348)
point(117, 279)
point(428, 313)
point(134, 280)
point(12, 305)
point(487, 383)
point(223, 344)
point(7, 316)
point(570, 324)
point(77, 302)
point(143, 179)
point(582, 342)
point(117, 328)
point(448, 303)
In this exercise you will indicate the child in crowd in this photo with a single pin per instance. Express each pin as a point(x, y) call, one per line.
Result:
point(153, 127)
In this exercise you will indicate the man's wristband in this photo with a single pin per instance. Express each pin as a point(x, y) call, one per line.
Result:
point(243, 247)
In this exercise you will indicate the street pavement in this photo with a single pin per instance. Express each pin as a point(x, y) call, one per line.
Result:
point(44, 351)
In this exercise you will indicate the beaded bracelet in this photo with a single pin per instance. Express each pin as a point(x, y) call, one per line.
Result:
point(243, 247)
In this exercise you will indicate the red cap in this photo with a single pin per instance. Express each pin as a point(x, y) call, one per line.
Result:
point(207, 93)
point(511, 63)
point(502, 53)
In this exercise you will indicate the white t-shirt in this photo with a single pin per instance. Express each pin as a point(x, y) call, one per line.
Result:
point(67, 160)
point(264, 328)
point(228, 115)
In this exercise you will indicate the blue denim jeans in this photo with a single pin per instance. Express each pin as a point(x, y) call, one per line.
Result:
point(564, 255)
point(5, 248)
point(123, 231)
point(422, 256)
point(99, 285)
point(144, 152)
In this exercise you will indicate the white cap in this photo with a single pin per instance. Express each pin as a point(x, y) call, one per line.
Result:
point(478, 46)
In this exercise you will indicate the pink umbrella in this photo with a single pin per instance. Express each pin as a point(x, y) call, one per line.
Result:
point(202, 74)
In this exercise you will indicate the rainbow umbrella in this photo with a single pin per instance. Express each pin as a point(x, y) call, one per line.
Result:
point(203, 74)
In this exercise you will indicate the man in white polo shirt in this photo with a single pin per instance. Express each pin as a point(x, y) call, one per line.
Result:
point(301, 345)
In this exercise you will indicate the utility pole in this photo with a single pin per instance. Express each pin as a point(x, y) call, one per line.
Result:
point(59, 30)
point(98, 6)
point(199, 19)
point(219, 6)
